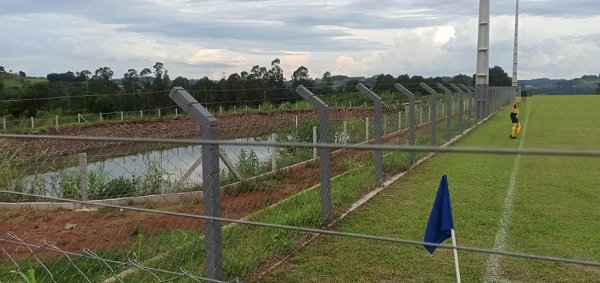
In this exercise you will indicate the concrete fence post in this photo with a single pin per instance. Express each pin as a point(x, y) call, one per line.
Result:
point(433, 115)
point(315, 139)
point(448, 111)
point(325, 153)
point(366, 128)
point(274, 153)
point(461, 105)
point(83, 173)
point(211, 190)
point(378, 131)
point(411, 119)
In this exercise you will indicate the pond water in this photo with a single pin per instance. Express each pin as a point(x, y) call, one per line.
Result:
point(172, 163)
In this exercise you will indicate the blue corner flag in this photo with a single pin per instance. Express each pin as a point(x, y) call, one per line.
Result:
point(440, 221)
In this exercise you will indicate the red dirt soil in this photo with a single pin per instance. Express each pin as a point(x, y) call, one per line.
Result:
point(108, 228)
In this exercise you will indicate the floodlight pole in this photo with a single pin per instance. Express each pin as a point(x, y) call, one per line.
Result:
point(483, 64)
point(516, 47)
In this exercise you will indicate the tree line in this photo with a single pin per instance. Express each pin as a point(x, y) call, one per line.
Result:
point(84, 91)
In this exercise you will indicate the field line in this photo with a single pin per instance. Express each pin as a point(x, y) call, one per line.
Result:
point(492, 269)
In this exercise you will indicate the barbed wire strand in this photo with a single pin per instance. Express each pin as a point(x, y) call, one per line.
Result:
point(325, 232)
point(31, 252)
point(93, 255)
point(208, 91)
point(369, 147)
point(10, 257)
point(14, 239)
point(47, 243)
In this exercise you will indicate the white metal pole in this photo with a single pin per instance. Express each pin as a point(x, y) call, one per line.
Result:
point(455, 256)
point(516, 47)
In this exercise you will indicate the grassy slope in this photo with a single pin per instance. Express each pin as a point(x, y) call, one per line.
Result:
point(478, 186)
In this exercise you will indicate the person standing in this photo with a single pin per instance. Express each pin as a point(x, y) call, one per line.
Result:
point(516, 125)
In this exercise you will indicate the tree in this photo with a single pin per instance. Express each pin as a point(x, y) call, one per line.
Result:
point(598, 89)
point(32, 101)
point(300, 77)
point(498, 77)
point(2, 69)
point(130, 81)
point(326, 85)
point(143, 77)
point(384, 82)
point(22, 74)
point(462, 79)
point(158, 83)
point(104, 73)
point(350, 85)
point(182, 82)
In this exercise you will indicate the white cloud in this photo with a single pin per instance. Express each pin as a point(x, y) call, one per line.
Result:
point(363, 38)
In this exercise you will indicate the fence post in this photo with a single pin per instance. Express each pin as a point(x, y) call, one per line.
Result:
point(399, 120)
point(296, 118)
point(159, 114)
point(83, 173)
point(274, 153)
point(366, 128)
point(122, 116)
point(461, 106)
point(315, 142)
point(101, 118)
point(32, 123)
point(4, 122)
point(210, 181)
point(411, 119)
point(78, 118)
point(325, 153)
point(220, 109)
point(448, 111)
point(345, 133)
point(141, 114)
point(384, 125)
point(56, 121)
point(433, 115)
point(175, 111)
point(378, 132)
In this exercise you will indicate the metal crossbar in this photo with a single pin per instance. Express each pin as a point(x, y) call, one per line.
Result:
point(326, 232)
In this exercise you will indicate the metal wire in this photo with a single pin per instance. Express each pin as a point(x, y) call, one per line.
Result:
point(325, 232)
point(386, 147)
point(14, 239)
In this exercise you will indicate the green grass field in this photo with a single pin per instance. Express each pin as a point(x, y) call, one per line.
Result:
point(551, 209)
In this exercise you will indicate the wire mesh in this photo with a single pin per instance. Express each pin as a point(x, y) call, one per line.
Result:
point(269, 182)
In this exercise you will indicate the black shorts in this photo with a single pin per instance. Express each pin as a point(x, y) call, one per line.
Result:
point(513, 117)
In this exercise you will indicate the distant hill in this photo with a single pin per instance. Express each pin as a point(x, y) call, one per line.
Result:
point(585, 85)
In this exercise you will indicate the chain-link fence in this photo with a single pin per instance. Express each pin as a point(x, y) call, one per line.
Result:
point(154, 208)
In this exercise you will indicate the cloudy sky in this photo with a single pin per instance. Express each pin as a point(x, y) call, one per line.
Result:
point(558, 38)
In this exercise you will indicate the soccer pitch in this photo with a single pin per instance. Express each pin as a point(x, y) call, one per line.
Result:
point(544, 205)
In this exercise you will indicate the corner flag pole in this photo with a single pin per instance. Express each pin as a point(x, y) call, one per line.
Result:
point(455, 256)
